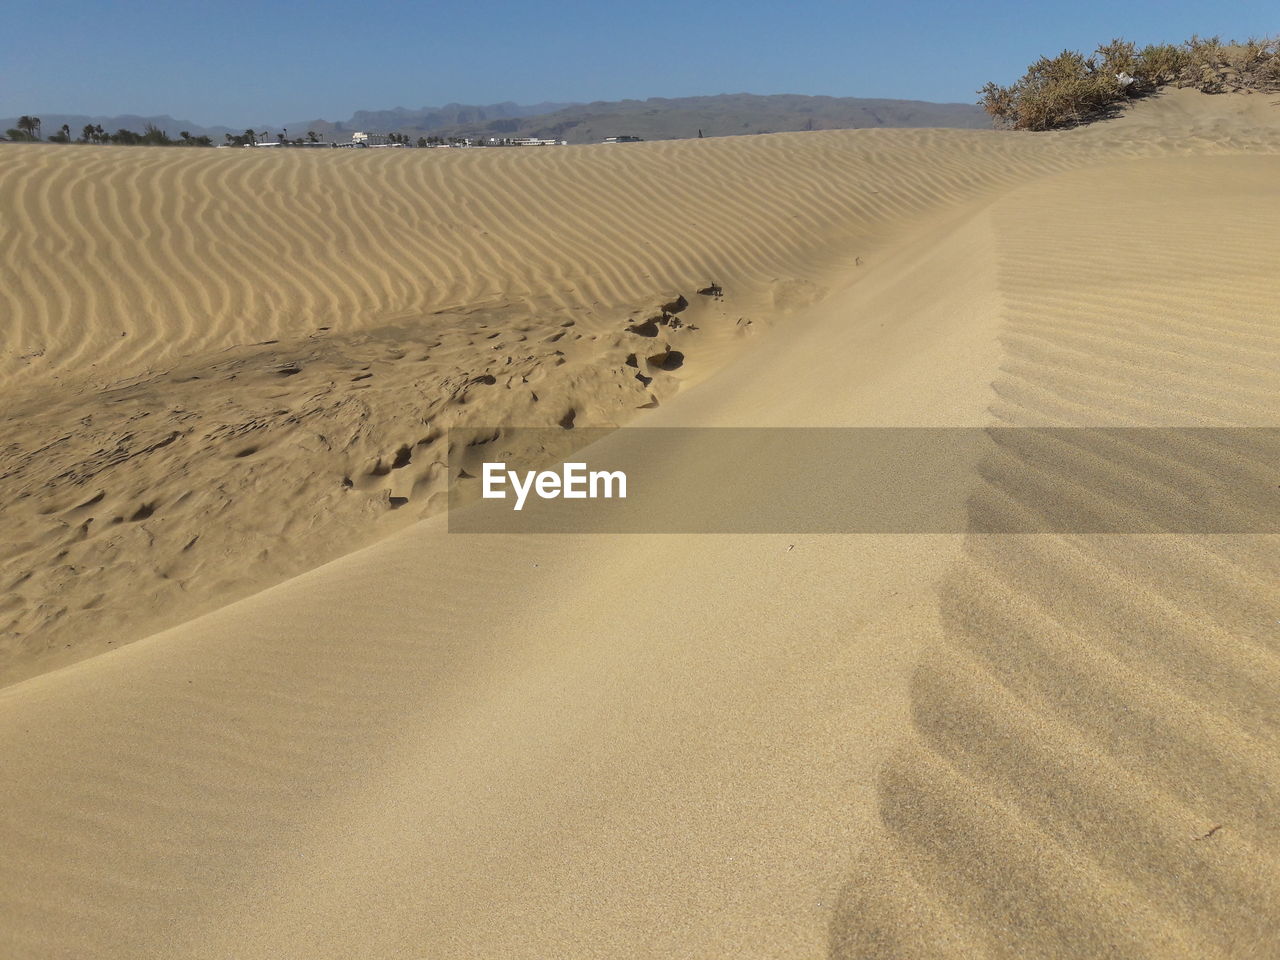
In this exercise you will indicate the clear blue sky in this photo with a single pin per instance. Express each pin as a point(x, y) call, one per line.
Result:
point(238, 62)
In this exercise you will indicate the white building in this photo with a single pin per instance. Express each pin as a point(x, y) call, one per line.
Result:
point(525, 142)
point(362, 139)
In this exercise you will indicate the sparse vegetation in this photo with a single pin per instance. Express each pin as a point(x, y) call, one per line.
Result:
point(153, 136)
point(1071, 88)
point(28, 129)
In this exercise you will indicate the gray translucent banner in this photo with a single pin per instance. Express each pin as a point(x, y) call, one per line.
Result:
point(865, 480)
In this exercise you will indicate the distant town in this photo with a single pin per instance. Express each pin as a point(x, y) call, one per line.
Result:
point(29, 130)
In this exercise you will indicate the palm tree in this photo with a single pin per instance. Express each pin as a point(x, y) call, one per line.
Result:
point(66, 133)
point(87, 135)
point(311, 137)
point(30, 126)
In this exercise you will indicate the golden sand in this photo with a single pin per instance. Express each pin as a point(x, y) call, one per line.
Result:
point(415, 744)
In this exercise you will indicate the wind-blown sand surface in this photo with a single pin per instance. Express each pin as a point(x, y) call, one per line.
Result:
point(591, 746)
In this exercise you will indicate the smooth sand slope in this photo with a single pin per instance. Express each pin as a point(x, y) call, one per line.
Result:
point(441, 745)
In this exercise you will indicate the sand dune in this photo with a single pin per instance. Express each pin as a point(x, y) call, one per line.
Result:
point(442, 745)
point(181, 252)
point(230, 331)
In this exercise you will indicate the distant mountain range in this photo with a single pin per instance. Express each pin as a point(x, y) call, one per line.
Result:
point(724, 115)
point(426, 120)
point(653, 119)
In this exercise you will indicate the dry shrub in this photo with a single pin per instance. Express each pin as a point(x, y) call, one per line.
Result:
point(1161, 64)
point(1054, 92)
point(1070, 88)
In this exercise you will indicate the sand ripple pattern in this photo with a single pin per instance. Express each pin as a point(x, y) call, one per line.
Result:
point(118, 260)
point(1094, 748)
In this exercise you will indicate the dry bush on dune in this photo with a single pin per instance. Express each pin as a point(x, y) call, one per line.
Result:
point(1055, 91)
point(1162, 63)
point(1071, 88)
